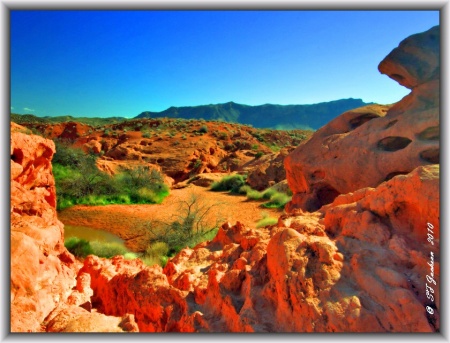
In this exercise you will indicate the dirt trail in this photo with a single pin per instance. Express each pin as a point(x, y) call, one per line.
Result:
point(128, 221)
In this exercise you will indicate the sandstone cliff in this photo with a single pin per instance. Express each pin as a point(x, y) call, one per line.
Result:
point(41, 273)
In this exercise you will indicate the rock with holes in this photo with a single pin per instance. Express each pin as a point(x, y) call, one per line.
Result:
point(369, 145)
point(41, 268)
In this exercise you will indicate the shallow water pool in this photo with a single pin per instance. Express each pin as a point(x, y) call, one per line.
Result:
point(90, 234)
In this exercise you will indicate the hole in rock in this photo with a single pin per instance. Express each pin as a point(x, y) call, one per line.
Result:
point(429, 134)
point(17, 156)
point(391, 123)
point(393, 143)
point(364, 118)
point(430, 155)
point(326, 195)
point(393, 174)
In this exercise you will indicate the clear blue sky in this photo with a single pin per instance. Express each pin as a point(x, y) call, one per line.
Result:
point(120, 63)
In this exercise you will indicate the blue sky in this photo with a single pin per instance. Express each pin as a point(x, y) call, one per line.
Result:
point(121, 63)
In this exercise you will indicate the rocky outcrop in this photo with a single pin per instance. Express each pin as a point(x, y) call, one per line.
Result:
point(41, 274)
point(267, 170)
point(367, 146)
point(359, 265)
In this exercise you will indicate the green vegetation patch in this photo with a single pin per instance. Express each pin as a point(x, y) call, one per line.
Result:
point(80, 182)
point(231, 183)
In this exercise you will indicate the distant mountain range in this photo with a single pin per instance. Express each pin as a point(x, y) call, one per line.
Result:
point(94, 121)
point(264, 116)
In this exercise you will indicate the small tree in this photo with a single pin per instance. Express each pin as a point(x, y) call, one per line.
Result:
point(193, 221)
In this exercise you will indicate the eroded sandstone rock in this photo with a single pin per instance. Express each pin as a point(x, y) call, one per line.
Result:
point(41, 268)
point(359, 265)
point(367, 146)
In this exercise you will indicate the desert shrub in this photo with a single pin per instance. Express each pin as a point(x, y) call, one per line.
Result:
point(223, 136)
point(203, 129)
point(254, 195)
point(230, 183)
point(194, 221)
point(79, 181)
point(156, 253)
point(245, 189)
point(68, 156)
point(278, 200)
point(268, 193)
point(146, 134)
point(157, 249)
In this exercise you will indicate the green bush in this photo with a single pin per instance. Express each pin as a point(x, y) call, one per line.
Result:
point(79, 181)
point(266, 221)
point(157, 249)
point(231, 183)
point(203, 129)
point(254, 195)
point(245, 189)
point(268, 193)
point(278, 200)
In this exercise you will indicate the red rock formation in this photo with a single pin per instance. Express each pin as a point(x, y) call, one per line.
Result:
point(381, 141)
point(267, 170)
point(41, 274)
point(360, 265)
point(367, 261)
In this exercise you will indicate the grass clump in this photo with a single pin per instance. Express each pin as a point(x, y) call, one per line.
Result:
point(278, 200)
point(156, 253)
point(231, 183)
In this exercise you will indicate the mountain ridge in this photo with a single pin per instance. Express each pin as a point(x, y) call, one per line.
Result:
point(264, 116)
